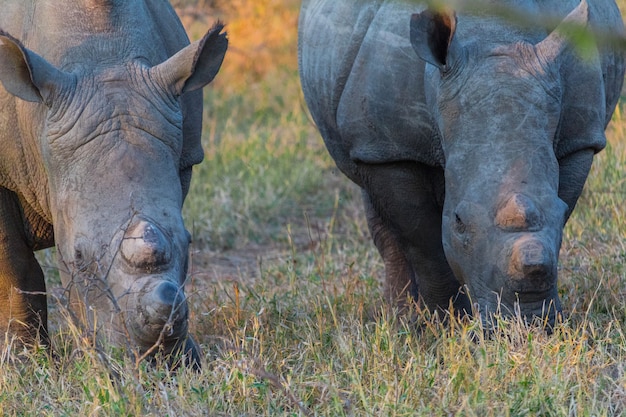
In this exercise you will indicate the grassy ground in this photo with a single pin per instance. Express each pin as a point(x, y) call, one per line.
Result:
point(286, 295)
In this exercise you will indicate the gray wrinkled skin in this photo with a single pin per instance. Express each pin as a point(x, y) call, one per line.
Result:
point(100, 120)
point(470, 136)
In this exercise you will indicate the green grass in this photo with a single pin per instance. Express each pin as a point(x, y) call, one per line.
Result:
point(263, 165)
point(287, 302)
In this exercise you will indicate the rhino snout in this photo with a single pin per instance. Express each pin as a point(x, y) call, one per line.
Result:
point(159, 309)
point(145, 247)
point(166, 302)
point(532, 266)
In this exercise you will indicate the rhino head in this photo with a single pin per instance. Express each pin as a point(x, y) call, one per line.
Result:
point(499, 109)
point(118, 169)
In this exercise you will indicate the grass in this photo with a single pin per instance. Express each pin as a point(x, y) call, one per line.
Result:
point(287, 302)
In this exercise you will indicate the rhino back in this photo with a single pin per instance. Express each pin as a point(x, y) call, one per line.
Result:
point(364, 83)
point(383, 112)
point(364, 90)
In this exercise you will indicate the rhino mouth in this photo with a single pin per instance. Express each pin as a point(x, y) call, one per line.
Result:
point(156, 312)
point(544, 311)
point(531, 291)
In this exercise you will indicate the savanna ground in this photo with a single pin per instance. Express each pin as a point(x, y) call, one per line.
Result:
point(285, 284)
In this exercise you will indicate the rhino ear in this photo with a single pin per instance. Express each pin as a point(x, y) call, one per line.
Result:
point(559, 39)
point(25, 74)
point(196, 65)
point(431, 36)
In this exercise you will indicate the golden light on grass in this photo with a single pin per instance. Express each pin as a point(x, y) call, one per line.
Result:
point(262, 38)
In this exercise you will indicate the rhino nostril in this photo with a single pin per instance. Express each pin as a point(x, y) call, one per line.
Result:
point(145, 247)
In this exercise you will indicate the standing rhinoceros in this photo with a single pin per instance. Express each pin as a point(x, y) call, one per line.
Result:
point(471, 136)
point(100, 119)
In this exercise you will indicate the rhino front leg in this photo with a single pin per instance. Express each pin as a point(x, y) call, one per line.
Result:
point(573, 171)
point(404, 211)
point(399, 276)
point(23, 305)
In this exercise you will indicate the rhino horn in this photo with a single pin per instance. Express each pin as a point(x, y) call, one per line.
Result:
point(432, 33)
point(519, 213)
point(532, 265)
point(145, 247)
point(25, 74)
point(557, 41)
point(196, 65)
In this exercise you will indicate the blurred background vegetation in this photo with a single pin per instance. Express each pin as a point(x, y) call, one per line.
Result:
point(262, 36)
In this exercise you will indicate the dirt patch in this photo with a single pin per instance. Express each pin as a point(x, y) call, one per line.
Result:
point(245, 263)
point(208, 266)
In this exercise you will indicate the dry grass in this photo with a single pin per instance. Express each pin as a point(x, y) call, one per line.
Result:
point(286, 294)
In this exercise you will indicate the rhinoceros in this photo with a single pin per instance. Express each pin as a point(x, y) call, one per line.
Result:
point(100, 123)
point(470, 130)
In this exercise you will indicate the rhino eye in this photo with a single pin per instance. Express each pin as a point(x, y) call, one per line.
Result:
point(459, 226)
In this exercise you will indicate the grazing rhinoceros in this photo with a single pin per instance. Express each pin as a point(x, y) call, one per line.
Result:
point(470, 134)
point(100, 120)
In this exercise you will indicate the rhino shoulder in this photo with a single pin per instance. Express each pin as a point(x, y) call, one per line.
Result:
point(324, 70)
point(365, 93)
point(591, 88)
